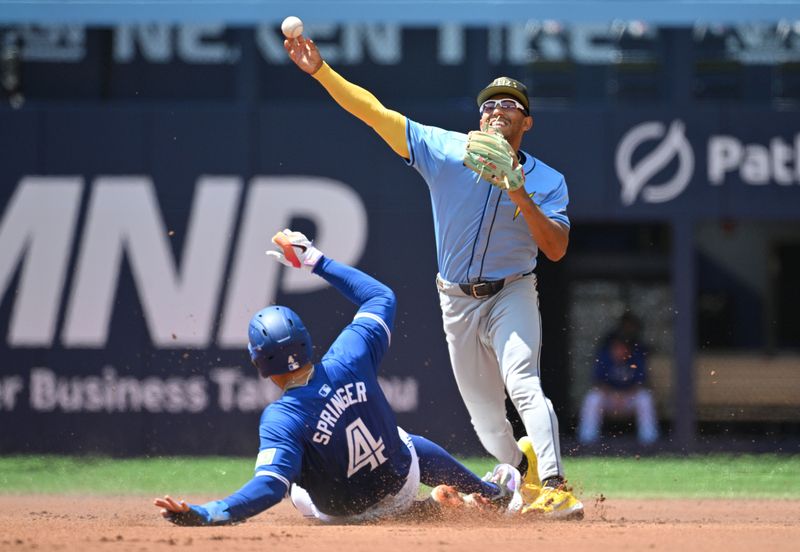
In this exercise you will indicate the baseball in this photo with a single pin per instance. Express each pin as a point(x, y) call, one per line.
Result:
point(292, 27)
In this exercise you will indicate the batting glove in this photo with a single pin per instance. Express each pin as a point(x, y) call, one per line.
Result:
point(296, 250)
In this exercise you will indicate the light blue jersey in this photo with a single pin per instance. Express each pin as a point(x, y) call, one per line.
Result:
point(480, 235)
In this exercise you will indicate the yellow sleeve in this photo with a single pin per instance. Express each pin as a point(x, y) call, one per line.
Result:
point(390, 125)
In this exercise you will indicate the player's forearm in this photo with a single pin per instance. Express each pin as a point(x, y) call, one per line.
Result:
point(360, 288)
point(390, 125)
point(551, 237)
point(254, 497)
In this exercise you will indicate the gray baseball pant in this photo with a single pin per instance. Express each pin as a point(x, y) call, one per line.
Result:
point(495, 345)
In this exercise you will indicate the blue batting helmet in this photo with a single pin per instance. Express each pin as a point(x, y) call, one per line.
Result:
point(278, 341)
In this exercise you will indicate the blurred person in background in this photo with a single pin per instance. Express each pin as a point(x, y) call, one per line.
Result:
point(620, 385)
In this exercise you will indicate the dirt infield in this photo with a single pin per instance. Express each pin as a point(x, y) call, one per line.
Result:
point(132, 524)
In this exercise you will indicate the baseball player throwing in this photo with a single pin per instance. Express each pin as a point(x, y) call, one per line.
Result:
point(494, 207)
point(331, 441)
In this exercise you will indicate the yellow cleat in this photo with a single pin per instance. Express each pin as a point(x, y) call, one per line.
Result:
point(529, 493)
point(531, 484)
point(555, 503)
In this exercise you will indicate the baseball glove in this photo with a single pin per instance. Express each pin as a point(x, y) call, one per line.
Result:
point(493, 158)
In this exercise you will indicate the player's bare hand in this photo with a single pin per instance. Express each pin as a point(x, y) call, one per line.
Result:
point(304, 53)
point(187, 515)
point(170, 506)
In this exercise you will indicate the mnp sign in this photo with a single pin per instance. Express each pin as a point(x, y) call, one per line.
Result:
point(131, 263)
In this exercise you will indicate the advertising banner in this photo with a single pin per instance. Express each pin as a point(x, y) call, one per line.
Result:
point(132, 247)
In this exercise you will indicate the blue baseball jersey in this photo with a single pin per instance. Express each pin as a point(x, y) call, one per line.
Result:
point(337, 436)
point(480, 234)
point(621, 374)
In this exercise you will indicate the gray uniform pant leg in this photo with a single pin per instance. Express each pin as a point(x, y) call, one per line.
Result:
point(494, 345)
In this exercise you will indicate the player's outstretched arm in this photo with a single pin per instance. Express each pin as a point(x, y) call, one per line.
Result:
point(390, 125)
point(360, 288)
point(254, 497)
point(191, 515)
point(296, 250)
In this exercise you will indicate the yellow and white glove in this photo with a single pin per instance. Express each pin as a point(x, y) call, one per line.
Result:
point(296, 250)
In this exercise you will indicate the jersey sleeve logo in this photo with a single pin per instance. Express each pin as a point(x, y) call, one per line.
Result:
point(265, 457)
point(362, 448)
point(516, 213)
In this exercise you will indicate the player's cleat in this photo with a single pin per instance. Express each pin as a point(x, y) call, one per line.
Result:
point(509, 480)
point(531, 484)
point(531, 475)
point(508, 498)
point(447, 497)
point(529, 493)
point(556, 502)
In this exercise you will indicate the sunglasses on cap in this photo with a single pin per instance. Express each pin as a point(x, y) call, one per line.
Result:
point(505, 104)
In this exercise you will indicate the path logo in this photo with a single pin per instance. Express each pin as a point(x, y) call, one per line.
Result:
point(636, 181)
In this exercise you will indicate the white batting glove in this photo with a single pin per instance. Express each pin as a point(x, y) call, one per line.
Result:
point(296, 250)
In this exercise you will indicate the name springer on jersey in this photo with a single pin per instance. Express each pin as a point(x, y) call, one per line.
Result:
point(340, 400)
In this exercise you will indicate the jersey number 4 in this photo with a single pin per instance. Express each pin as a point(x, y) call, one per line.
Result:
point(362, 448)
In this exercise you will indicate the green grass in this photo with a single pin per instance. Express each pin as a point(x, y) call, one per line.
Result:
point(711, 476)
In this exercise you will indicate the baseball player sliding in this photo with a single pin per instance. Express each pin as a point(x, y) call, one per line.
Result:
point(489, 229)
point(331, 441)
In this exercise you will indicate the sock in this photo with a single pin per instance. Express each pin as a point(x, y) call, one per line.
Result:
point(553, 482)
point(523, 466)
